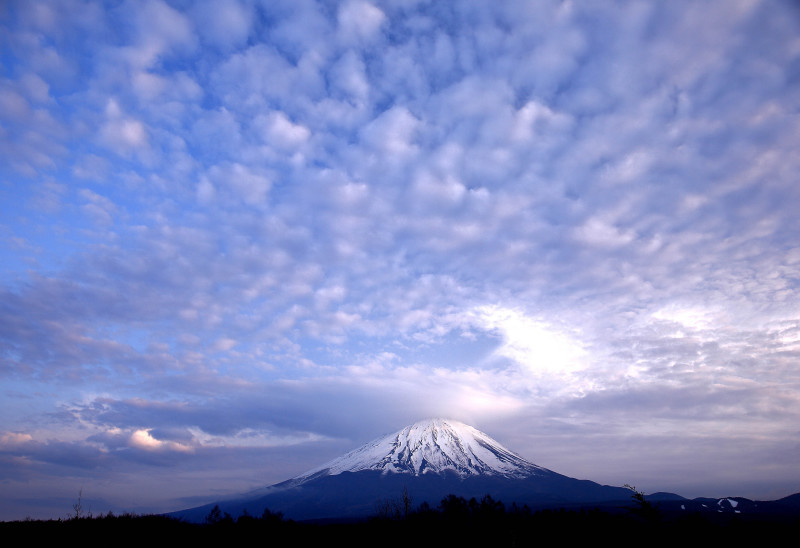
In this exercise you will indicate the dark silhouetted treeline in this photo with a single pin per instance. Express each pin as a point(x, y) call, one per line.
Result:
point(455, 521)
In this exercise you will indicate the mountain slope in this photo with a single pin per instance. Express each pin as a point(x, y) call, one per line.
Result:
point(430, 459)
point(432, 446)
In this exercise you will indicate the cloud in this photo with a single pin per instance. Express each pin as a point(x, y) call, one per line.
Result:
point(533, 344)
point(392, 133)
point(14, 438)
point(249, 186)
point(281, 132)
point(98, 207)
point(142, 439)
point(243, 75)
point(159, 30)
point(225, 24)
point(121, 133)
point(359, 21)
point(235, 229)
point(349, 79)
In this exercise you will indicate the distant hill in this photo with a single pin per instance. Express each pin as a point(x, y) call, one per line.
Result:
point(431, 459)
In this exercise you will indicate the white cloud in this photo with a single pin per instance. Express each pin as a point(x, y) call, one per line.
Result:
point(13, 105)
point(37, 89)
point(359, 21)
point(535, 121)
point(249, 185)
point(224, 344)
point(142, 439)
point(692, 318)
point(205, 191)
point(281, 132)
point(436, 191)
point(598, 231)
point(14, 438)
point(160, 31)
point(348, 76)
point(148, 85)
point(122, 133)
point(100, 208)
point(249, 437)
point(310, 210)
point(392, 133)
point(225, 23)
point(538, 347)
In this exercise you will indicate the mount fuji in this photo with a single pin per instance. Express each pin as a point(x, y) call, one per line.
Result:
point(429, 460)
point(434, 446)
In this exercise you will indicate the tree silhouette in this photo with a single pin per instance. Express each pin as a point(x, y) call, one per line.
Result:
point(642, 509)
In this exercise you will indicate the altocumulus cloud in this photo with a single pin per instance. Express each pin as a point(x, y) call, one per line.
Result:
point(240, 238)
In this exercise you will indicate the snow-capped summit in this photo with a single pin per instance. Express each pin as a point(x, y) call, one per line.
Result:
point(431, 446)
point(430, 459)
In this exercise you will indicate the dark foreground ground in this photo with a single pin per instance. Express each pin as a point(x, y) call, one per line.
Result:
point(456, 522)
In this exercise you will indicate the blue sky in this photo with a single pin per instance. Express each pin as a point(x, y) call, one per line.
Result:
point(241, 238)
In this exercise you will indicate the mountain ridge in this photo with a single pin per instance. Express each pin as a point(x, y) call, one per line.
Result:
point(431, 446)
point(432, 458)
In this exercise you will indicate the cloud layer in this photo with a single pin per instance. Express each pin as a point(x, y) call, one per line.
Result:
point(240, 239)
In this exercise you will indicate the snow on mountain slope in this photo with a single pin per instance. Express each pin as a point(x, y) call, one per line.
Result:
point(431, 446)
point(432, 459)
